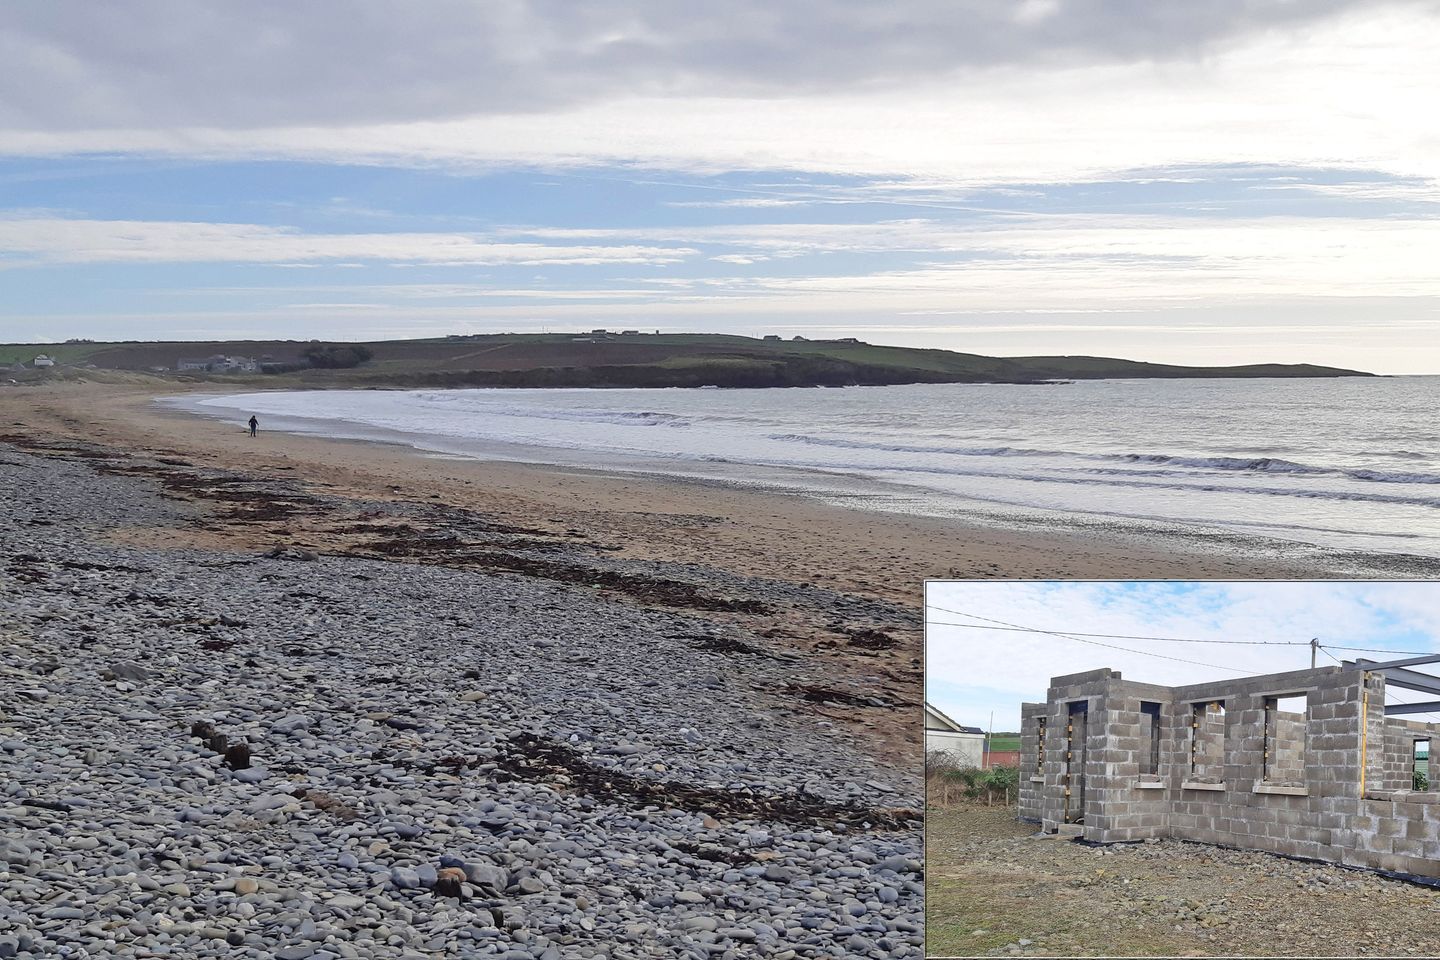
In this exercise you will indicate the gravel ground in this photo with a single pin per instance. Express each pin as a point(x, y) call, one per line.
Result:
point(441, 762)
point(996, 890)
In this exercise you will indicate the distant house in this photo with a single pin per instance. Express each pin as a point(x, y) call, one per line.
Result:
point(219, 364)
point(629, 333)
point(798, 337)
point(849, 340)
point(773, 336)
point(964, 745)
point(43, 361)
point(601, 332)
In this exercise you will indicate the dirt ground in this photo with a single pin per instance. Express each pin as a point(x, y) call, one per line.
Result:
point(992, 889)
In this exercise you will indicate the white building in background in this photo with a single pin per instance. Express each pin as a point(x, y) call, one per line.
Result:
point(43, 361)
point(966, 745)
point(219, 364)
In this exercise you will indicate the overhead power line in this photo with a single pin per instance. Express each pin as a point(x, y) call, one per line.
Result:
point(1413, 653)
point(1120, 636)
point(1082, 639)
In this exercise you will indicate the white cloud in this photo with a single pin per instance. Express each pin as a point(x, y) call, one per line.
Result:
point(68, 64)
point(54, 240)
point(1055, 262)
point(1113, 87)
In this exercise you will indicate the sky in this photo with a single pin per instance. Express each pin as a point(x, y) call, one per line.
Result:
point(975, 670)
point(1220, 181)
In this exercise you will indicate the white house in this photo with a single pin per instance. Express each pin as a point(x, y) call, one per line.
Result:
point(220, 364)
point(966, 745)
point(44, 361)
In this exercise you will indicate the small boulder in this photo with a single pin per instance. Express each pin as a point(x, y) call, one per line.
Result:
point(449, 882)
point(296, 721)
point(130, 672)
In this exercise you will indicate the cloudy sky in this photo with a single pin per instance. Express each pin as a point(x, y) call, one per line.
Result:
point(1208, 182)
point(974, 668)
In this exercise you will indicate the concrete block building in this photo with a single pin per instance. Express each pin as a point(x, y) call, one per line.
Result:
point(1309, 763)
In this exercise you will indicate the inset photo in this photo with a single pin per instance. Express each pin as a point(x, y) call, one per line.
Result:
point(1170, 768)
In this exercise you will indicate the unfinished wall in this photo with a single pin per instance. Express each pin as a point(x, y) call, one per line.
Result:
point(1285, 736)
point(1033, 721)
point(1398, 765)
point(1327, 783)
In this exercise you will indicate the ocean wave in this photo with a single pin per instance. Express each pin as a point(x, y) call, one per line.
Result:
point(914, 448)
point(1273, 465)
point(1263, 464)
point(1267, 465)
point(640, 418)
point(1120, 481)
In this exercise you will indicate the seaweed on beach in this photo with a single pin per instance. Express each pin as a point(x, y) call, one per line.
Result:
point(714, 644)
point(23, 567)
point(813, 693)
point(867, 639)
point(451, 551)
point(247, 504)
point(534, 759)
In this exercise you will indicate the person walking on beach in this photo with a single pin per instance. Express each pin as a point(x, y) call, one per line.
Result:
point(254, 425)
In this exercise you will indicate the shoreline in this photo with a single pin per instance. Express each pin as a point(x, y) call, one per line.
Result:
point(737, 526)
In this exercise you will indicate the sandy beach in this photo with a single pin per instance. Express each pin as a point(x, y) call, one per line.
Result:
point(750, 531)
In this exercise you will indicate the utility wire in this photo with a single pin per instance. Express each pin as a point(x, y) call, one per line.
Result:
point(1413, 653)
point(1119, 636)
point(1097, 643)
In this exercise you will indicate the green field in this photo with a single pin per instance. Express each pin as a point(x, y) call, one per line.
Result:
point(531, 360)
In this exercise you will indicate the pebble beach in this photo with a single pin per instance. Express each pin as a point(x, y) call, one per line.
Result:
point(430, 734)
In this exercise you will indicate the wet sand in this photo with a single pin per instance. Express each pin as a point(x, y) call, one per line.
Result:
point(762, 533)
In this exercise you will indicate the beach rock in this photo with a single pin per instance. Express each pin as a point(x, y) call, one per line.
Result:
point(131, 672)
point(449, 882)
point(290, 724)
point(487, 875)
point(291, 553)
point(547, 845)
point(237, 756)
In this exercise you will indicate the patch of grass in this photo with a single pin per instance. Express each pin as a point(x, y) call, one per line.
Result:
point(11, 353)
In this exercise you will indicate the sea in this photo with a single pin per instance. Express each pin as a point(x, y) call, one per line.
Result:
point(1348, 465)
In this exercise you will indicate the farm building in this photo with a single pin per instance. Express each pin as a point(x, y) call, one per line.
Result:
point(219, 364)
point(43, 361)
point(1311, 763)
point(965, 745)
